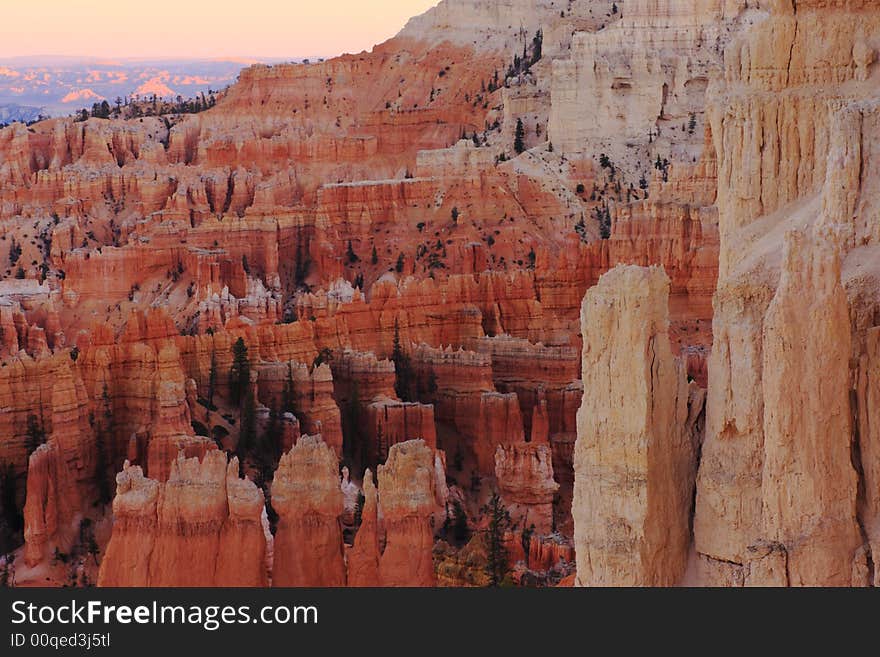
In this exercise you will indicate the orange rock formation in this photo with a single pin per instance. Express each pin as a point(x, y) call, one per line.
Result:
point(202, 527)
point(408, 286)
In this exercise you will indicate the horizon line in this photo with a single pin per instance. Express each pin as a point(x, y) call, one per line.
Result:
point(195, 58)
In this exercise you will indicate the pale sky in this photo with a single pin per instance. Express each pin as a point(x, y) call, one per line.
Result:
point(275, 29)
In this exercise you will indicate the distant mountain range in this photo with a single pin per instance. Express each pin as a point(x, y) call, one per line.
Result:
point(11, 112)
point(58, 86)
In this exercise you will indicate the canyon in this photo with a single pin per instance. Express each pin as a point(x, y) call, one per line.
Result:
point(609, 267)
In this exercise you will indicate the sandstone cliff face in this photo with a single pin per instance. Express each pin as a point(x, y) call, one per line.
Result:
point(646, 71)
point(200, 528)
point(869, 457)
point(544, 554)
point(465, 397)
point(787, 120)
point(634, 461)
point(539, 375)
point(190, 513)
point(365, 387)
point(306, 495)
point(244, 532)
point(809, 484)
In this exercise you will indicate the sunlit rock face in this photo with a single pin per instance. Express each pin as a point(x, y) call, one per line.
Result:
point(306, 494)
point(796, 303)
point(634, 459)
point(411, 489)
point(200, 528)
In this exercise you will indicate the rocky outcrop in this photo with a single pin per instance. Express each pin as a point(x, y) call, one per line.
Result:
point(792, 299)
point(313, 399)
point(242, 561)
point(127, 558)
point(809, 484)
point(202, 527)
point(389, 421)
point(459, 383)
point(61, 482)
point(311, 393)
point(409, 497)
point(363, 558)
point(645, 72)
point(365, 387)
point(308, 549)
point(539, 374)
point(547, 552)
point(634, 461)
point(525, 481)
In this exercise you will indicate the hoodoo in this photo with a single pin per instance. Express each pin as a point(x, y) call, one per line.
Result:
point(306, 494)
point(634, 460)
point(200, 528)
point(409, 495)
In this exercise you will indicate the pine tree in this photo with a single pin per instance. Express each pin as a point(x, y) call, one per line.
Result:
point(402, 368)
point(269, 449)
point(496, 551)
point(104, 429)
point(14, 252)
point(350, 254)
point(7, 571)
point(36, 434)
point(537, 46)
point(287, 394)
point(458, 459)
point(212, 380)
point(525, 538)
point(359, 509)
point(248, 428)
point(351, 424)
point(519, 138)
point(398, 267)
point(460, 530)
point(88, 542)
point(303, 265)
point(381, 448)
point(240, 372)
point(11, 521)
point(374, 258)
